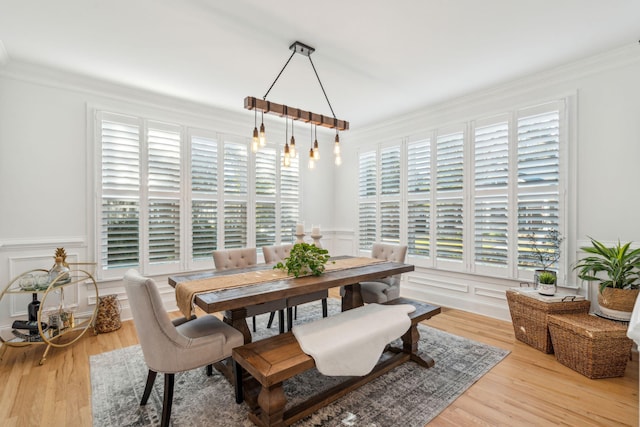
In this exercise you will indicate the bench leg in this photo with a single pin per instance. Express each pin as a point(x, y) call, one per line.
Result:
point(410, 346)
point(272, 402)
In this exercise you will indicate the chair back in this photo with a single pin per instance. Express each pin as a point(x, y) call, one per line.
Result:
point(156, 333)
point(389, 252)
point(234, 258)
point(276, 253)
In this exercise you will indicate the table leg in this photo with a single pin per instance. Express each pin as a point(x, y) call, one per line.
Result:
point(352, 297)
point(238, 319)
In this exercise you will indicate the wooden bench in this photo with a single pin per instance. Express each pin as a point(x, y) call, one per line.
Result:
point(273, 360)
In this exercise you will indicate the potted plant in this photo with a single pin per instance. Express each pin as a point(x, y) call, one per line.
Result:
point(304, 258)
point(547, 283)
point(616, 269)
point(546, 251)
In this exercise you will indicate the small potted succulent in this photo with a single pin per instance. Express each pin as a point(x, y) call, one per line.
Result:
point(546, 283)
point(304, 259)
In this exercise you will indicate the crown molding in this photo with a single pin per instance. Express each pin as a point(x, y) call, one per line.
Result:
point(107, 91)
point(525, 85)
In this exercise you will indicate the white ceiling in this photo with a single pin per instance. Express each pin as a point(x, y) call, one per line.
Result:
point(375, 58)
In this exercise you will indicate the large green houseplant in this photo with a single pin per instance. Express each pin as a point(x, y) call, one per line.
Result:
point(616, 269)
point(304, 259)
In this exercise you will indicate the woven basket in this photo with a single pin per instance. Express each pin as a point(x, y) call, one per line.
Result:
point(108, 316)
point(529, 317)
point(592, 346)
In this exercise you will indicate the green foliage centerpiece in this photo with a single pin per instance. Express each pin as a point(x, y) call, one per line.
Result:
point(304, 259)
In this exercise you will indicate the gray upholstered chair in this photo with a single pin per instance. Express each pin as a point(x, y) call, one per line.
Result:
point(388, 288)
point(273, 254)
point(225, 259)
point(174, 346)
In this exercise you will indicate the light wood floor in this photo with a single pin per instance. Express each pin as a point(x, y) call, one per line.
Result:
point(527, 388)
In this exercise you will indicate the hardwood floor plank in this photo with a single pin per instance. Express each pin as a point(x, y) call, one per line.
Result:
point(527, 388)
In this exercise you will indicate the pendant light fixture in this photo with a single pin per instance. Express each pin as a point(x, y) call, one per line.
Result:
point(312, 156)
point(292, 145)
point(265, 106)
point(256, 139)
point(316, 148)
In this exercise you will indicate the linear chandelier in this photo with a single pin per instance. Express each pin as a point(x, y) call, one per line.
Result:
point(315, 120)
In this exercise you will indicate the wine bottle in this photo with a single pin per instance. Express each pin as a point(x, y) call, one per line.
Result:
point(32, 309)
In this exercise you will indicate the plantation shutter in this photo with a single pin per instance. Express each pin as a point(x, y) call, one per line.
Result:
point(204, 188)
point(289, 194)
point(265, 190)
point(367, 227)
point(449, 223)
point(449, 206)
point(367, 174)
point(418, 192)
point(390, 222)
point(390, 171)
point(120, 208)
point(538, 181)
point(163, 142)
point(367, 191)
point(490, 210)
point(235, 164)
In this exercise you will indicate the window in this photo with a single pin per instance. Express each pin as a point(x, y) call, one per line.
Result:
point(468, 198)
point(170, 195)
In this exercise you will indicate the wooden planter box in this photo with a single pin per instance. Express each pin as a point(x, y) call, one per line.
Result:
point(529, 316)
point(595, 347)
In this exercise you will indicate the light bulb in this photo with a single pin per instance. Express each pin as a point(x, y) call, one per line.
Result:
point(316, 150)
point(336, 146)
point(338, 160)
point(312, 163)
point(292, 147)
point(256, 140)
point(263, 137)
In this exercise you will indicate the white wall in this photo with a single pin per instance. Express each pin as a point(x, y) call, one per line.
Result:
point(603, 196)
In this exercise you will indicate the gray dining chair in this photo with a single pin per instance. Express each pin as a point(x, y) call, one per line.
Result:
point(225, 259)
point(388, 288)
point(277, 253)
point(174, 346)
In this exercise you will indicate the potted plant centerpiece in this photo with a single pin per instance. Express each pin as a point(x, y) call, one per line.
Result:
point(546, 250)
point(304, 259)
point(619, 289)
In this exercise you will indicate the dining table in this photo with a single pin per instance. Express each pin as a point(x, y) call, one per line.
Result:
point(232, 291)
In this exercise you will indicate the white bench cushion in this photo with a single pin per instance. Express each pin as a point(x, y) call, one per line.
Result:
point(350, 343)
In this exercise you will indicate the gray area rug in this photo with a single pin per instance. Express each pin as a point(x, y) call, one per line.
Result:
point(409, 395)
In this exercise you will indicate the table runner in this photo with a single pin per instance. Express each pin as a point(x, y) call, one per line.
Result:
point(186, 291)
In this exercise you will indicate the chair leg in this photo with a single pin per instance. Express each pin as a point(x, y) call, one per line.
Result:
point(151, 377)
point(270, 322)
point(289, 318)
point(281, 321)
point(237, 371)
point(209, 370)
point(325, 310)
point(295, 312)
point(168, 399)
point(254, 323)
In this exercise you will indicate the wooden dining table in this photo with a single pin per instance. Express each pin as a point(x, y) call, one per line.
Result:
point(233, 302)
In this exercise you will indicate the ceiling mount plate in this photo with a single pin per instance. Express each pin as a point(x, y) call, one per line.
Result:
point(301, 48)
